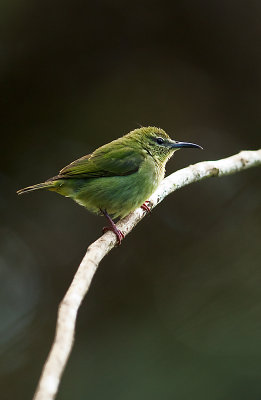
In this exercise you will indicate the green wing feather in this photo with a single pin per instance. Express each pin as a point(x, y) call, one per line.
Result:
point(105, 161)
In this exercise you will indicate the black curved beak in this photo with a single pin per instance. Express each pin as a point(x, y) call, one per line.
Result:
point(180, 145)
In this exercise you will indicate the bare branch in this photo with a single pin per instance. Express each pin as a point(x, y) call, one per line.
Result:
point(63, 342)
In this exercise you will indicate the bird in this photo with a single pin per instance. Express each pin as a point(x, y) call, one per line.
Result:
point(117, 177)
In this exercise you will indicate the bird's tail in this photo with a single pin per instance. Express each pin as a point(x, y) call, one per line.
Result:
point(44, 185)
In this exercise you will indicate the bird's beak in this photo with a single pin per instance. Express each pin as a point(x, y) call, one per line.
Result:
point(180, 145)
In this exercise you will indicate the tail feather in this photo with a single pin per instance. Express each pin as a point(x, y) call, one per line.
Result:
point(43, 185)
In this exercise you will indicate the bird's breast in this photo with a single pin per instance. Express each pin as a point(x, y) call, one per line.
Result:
point(150, 175)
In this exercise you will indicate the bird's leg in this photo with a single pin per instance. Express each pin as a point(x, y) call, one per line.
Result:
point(112, 227)
point(146, 206)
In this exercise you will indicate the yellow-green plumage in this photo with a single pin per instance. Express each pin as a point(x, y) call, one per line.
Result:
point(119, 176)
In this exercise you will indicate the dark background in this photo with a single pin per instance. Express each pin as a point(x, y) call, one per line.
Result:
point(174, 313)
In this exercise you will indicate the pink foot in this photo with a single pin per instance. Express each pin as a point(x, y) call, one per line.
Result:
point(113, 228)
point(117, 232)
point(145, 206)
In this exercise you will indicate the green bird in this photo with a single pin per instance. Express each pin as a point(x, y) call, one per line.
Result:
point(118, 177)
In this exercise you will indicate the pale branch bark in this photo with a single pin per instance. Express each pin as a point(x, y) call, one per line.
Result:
point(65, 328)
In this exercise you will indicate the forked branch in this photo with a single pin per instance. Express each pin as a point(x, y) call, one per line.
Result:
point(65, 328)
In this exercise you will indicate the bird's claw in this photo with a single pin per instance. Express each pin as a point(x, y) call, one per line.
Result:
point(119, 235)
point(146, 206)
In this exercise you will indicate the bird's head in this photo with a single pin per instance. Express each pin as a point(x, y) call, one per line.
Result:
point(158, 144)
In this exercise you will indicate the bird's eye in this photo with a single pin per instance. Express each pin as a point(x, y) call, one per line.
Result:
point(160, 140)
